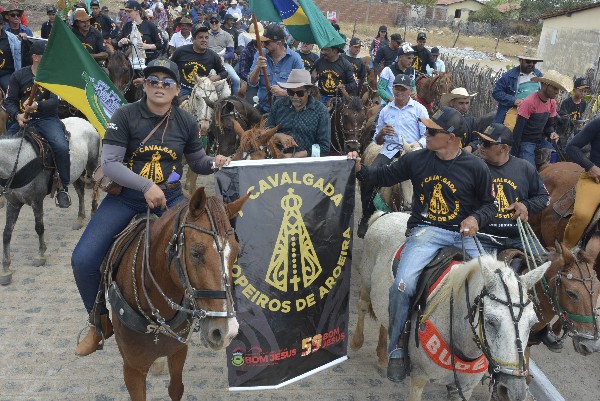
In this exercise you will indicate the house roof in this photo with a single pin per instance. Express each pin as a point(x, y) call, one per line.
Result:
point(506, 7)
point(450, 2)
point(571, 11)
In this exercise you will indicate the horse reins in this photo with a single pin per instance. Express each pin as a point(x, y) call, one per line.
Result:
point(356, 131)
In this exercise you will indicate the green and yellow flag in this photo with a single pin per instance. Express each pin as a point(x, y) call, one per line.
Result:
point(302, 18)
point(69, 71)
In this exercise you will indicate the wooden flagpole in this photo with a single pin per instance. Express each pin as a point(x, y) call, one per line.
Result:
point(260, 53)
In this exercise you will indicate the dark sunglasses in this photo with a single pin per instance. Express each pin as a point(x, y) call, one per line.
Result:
point(488, 144)
point(14, 15)
point(530, 62)
point(214, 21)
point(166, 83)
point(299, 93)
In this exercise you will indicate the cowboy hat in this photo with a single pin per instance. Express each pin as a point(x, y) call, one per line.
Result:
point(457, 93)
point(10, 9)
point(81, 15)
point(556, 79)
point(184, 21)
point(251, 34)
point(298, 78)
point(532, 58)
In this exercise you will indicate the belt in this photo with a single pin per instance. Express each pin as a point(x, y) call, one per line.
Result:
point(169, 185)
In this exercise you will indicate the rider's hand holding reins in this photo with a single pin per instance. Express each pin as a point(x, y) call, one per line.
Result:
point(287, 141)
point(469, 226)
point(387, 130)
point(354, 156)
point(520, 211)
point(155, 197)
point(554, 137)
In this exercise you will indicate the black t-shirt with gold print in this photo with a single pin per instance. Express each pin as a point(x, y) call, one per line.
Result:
point(19, 89)
point(190, 62)
point(162, 154)
point(7, 63)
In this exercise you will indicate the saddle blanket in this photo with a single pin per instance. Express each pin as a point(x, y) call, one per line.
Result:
point(439, 352)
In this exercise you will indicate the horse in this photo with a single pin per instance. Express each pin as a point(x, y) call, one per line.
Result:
point(497, 307)
point(122, 74)
point(4, 117)
point(348, 120)
point(257, 143)
point(187, 291)
point(430, 90)
point(225, 139)
point(16, 153)
point(368, 88)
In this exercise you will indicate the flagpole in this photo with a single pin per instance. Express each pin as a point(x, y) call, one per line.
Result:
point(260, 53)
point(29, 100)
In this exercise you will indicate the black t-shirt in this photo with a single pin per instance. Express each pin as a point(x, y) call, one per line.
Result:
point(103, 24)
point(162, 153)
point(360, 71)
point(190, 62)
point(46, 29)
point(410, 71)
point(445, 191)
point(150, 35)
point(93, 41)
point(387, 55)
point(7, 62)
point(422, 60)
point(569, 108)
point(330, 75)
point(19, 89)
point(308, 59)
point(515, 181)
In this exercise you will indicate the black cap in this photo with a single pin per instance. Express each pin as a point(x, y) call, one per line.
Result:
point(273, 32)
point(497, 133)
point(355, 42)
point(133, 5)
point(38, 47)
point(51, 10)
point(406, 48)
point(94, 3)
point(214, 16)
point(383, 28)
point(199, 28)
point(229, 16)
point(421, 35)
point(447, 119)
point(162, 65)
point(403, 80)
point(396, 37)
point(104, 8)
point(435, 51)
point(581, 83)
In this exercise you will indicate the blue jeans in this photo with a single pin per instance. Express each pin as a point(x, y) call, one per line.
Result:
point(184, 91)
point(53, 130)
point(527, 151)
point(421, 246)
point(235, 79)
point(113, 215)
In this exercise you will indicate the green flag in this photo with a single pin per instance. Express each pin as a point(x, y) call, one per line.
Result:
point(69, 71)
point(302, 18)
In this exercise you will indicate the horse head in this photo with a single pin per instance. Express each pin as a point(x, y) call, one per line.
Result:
point(120, 71)
point(348, 123)
point(208, 263)
point(506, 318)
point(430, 89)
point(258, 143)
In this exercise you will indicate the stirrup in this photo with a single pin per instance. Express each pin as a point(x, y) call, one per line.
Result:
point(397, 349)
point(100, 345)
point(66, 193)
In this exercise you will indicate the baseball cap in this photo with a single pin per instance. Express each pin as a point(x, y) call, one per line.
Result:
point(355, 42)
point(162, 65)
point(581, 83)
point(406, 48)
point(273, 32)
point(421, 35)
point(105, 8)
point(37, 47)
point(396, 37)
point(403, 80)
point(199, 28)
point(446, 119)
point(51, 10)
point(230, 16)
point(497, 133)
point(94, 3)
point(383, 28)
point(435, 51)
point(133, 5)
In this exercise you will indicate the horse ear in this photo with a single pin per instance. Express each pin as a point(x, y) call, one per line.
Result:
point(488, 272)
point(268, 134)
point(197, 203)
point(234, 207)
point(534, 276)
point(237, 128)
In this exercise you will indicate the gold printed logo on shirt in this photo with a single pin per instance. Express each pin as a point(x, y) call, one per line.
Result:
point(440, 206)
point(504, 190)
point(294, 254)
point(503, 203)
point(152, 169)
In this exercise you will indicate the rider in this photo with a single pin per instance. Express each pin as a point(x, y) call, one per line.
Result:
point(423, 56)
point(440, 66)
point(360, 70)
point(222, 43)
point(90, 37)
point(574, 106)
point(43, 116)
point(13, 16)
point(460, 99)
point(452, 200)
point(148, 173)
point(587, 199)
point(385, 86)
point(333, 71)
point(183, 37)
point(387, 54)
point(101, 21)
point(199, 59)
point(47, 26)
point(303, 121)
point(10, 55)
point(398, 121)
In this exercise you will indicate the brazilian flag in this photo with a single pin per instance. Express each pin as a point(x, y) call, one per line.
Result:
point(69, 71)
point(302, 18)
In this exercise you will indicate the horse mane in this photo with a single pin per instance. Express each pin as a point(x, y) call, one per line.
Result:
point(215, 205)
point(355, 103)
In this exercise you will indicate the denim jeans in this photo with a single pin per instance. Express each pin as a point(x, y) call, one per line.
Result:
point(113, 215)
point(527, 151)
point(420, 248)
point(235, 79)
point(53, 130)
point(184, 91)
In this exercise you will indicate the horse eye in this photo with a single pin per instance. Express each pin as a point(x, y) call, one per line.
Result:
point(572, 295)
point(197, 253)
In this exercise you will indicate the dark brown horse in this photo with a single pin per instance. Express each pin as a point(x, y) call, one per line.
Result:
point(223, 139)
point(191, 285)
point(348, 118)
point(121, 73)
point(430, 90)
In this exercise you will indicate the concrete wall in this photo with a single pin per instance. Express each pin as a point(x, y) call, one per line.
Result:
point(363, 11)
point(570, 45)
point(465, 6)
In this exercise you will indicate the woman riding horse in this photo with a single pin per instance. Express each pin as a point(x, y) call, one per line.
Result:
point(142, 151)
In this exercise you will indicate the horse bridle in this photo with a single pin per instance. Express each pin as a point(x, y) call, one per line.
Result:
point(357, 131)
point(176, 255)
point(239, 118)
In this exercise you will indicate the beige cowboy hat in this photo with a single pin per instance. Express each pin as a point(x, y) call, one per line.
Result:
point(81, 15)
point(456, 93)
point(532, 58)
point(251, 34)
point(184, 21)
point(297, 79)
point(556, 79)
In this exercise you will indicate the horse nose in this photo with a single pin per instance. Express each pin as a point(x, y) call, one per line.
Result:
point(216, 336)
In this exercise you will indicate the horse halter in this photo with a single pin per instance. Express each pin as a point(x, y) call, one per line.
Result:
point(356, 130)
point(221, 133)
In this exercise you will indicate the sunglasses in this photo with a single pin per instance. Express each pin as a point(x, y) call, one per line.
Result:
point(434, 132)
point(530, 62)
point(488, 144)
point(214, 21)
point(299, 93)
point(167, 83)
point(14, 15)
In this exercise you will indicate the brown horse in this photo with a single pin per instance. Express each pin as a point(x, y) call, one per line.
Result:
point(257, 143)
point(121, 73)
point(367, 89)
point(348, 118)
point(190, 286)
point(430, 90)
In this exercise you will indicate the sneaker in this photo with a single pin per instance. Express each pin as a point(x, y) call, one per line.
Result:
point(396, 371)
point(63, 200)
point(363, 225)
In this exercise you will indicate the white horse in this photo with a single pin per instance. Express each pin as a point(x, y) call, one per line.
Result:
point(84, 146)
point(384, 237)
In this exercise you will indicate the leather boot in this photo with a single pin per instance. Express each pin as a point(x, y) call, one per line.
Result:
point(92, 342)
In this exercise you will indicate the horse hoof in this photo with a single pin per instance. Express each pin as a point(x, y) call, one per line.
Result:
point(39, 262)
point(6, 277)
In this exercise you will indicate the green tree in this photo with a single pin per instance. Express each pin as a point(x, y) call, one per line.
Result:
point(534, 9)
point(420, 6)
point(487, 13)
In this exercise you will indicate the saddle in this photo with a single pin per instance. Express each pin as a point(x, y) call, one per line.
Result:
point(565, 204)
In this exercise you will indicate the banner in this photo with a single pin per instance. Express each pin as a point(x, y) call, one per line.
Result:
point(292, 277)
point(69, 71)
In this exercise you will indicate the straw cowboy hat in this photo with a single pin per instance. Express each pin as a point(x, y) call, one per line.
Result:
point(456, 93)
point(81, 15)
point(251, 34)
point(298, 78)
point(556, 79)
point(532, 58)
